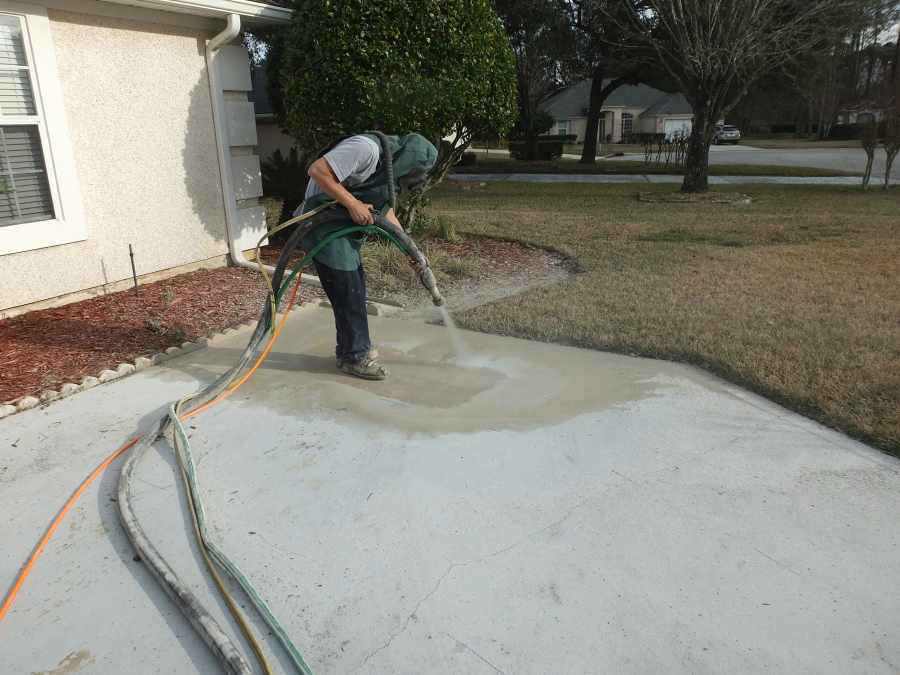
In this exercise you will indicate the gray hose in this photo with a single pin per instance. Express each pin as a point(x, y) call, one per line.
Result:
point(210, 631)
point(206, 626)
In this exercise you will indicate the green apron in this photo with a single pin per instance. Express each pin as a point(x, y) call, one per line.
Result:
point(410, 153)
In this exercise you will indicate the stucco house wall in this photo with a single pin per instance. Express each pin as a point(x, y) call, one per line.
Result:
point(133, 87)
point(611, 124)
point(137, 101)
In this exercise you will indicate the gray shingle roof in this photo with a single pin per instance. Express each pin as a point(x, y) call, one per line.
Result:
point(573, 101)
point(672, 104)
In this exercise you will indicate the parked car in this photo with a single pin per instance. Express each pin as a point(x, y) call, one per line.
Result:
point(727, 134)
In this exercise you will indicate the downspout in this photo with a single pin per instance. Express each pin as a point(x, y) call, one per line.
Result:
point(217, 99)
point(232, 30)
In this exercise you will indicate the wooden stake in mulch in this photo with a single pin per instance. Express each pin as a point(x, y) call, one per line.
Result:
point(133, 271)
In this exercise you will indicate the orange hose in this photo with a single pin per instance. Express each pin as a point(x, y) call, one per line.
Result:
point(262, 357)
point(39, 549)
point(26, 569)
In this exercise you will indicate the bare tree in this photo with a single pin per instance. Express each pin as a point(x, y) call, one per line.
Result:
point(891, 145)
point(869, 144)
point(714, 50)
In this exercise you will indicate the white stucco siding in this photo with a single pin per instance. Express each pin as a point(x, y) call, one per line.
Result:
point(137, 102)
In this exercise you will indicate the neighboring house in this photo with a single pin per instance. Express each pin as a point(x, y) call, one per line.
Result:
point(630, 109)
point(123, 122)
point(861, 114)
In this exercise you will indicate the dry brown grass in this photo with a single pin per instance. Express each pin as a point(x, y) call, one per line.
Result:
point(796, 296)
point(388, 268)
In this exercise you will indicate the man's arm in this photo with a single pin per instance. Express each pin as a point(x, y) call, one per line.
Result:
point(321, 172)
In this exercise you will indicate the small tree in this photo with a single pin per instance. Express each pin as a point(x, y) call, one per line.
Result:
point(715, 50)
point(442, 68)
point(543, 43)
point(285, 177)
point(869, 144)
point(891, 145)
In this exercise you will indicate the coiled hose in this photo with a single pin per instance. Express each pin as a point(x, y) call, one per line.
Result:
point(207, 627)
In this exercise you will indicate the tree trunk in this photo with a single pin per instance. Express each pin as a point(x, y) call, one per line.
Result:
point(696, 177)
point(889, 164)
point(599, 94)
point(589, 151)
point(867, 175)
point(821, 132)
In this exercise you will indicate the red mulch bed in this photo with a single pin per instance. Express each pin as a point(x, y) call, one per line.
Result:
point(269, 254)
point(45, 348)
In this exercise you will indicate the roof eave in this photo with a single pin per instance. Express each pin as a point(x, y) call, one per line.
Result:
point(259, 12)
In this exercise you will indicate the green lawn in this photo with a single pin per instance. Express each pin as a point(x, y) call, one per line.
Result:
point(495, 165)
point(796, 296)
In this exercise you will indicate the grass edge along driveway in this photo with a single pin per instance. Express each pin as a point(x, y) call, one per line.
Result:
point(795, 296)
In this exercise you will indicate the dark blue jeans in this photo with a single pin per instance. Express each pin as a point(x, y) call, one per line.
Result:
point(347, 293)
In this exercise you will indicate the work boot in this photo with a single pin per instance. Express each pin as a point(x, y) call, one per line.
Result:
point(367, 368)
point(373, 354)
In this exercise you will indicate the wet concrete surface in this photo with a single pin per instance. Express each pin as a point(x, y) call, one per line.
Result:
point(524, 508)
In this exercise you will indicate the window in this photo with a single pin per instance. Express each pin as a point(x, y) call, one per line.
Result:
point(24, 189)
point(40, 203)
point(562, 128)
point(627, 125)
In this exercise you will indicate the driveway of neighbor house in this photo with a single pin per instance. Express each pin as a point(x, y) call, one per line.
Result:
point(839, 159)
point(525, 508)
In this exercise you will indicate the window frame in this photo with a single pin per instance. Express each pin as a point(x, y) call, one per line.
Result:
point(69, 224)
point(627, 117)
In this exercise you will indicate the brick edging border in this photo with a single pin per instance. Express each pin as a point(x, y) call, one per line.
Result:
point(142, 363)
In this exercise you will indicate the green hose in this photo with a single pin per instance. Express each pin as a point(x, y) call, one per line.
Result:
point(186, 462)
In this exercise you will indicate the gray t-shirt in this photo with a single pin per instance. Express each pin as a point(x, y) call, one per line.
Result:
point(353, 161)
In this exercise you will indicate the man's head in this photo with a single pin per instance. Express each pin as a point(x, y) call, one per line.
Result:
point(414, 157)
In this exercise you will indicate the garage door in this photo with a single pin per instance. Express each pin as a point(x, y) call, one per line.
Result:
point(675, 128)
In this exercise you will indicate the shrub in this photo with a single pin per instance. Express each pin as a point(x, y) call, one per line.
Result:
point(846, 132)
point(538, 149)
point(443, 68)
point(285, 178)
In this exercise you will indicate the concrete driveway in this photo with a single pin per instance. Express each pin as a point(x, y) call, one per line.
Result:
point(524, 509)
point(840, 159)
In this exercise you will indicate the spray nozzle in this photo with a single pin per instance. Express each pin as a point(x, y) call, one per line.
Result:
point(430, 283)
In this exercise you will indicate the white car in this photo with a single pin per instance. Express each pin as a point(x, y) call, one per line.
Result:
point(727, 134)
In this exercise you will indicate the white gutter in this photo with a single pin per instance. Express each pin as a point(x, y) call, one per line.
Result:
point(232, 30)
point(216, 8)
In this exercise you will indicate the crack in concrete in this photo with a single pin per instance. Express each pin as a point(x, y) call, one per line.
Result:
point(475, 653)
point(452, 566)
point(777, 562)
point(393, 636)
